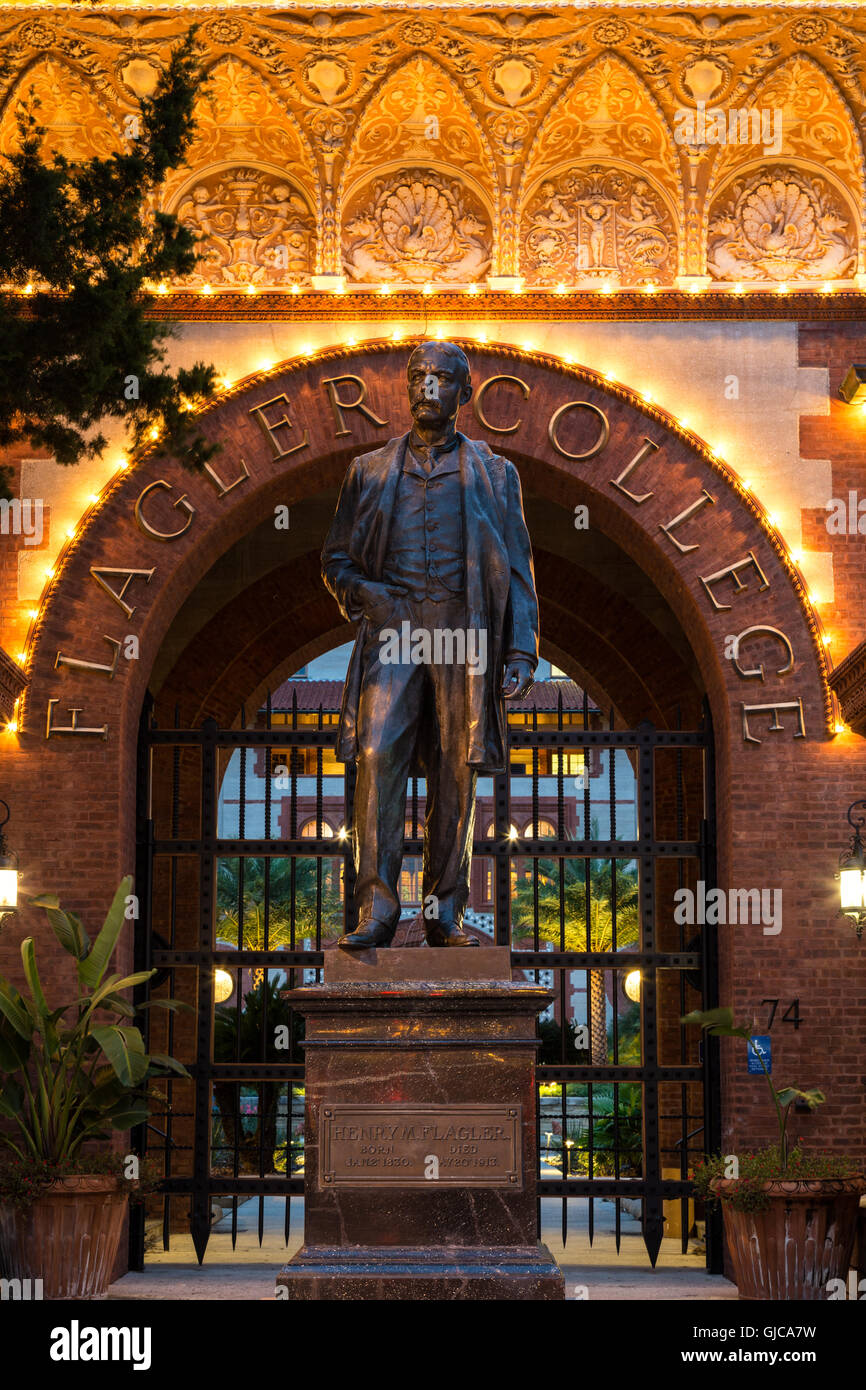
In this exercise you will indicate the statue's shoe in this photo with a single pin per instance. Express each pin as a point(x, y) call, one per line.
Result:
point(448, 934)
point(367, 935)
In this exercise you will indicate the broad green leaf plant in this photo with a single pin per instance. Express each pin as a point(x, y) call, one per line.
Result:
point(719, 1023)
point(75, 1072)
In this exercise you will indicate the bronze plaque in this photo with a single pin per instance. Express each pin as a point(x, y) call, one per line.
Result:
point(420, 1146)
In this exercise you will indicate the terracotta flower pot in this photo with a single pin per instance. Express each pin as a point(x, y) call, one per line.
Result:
point(68, 1237)
point(798, 1244)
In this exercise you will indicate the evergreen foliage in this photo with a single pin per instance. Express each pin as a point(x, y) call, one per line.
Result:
point(79, 348)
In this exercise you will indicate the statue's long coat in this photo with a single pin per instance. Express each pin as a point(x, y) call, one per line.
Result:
point(500, 580)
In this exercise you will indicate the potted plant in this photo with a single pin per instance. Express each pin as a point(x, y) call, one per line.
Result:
point(789, 1216)
point(69, 1075)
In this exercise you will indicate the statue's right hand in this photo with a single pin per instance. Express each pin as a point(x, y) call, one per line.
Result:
point(381, 602)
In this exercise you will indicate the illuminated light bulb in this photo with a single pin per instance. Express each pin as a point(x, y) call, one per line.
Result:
point(223, 986)
point(650, 287)
point(339, 289)
point(22, 657)
point(154, 433)
point(605, 287)
point(296, 289)
point(647, 395)
point(567, 357)
point(684, 423)
point(517, 287)
point(796, 556)
point(471, 289)
point(772, 520)
point(827, 639)
point(839, 729)
point(352, 342)
point(206, 289)
point(70, 532)
point(782, 288)
point(342, 833)
point(397, 335)
point(227, 383)
point(265, 365)
point(482, 337)
point(827, 287)
point(814, 599)
point(696, 289)
point(560, 289)
point(32, 613)
point(439, 334)
point(307, 349)
point(251, 289)
point(94, 497)
point(738, 288)
point(512, 832)
point(162, 287)
point(528, 347)
point(122, 462)
point(608, 376)
point(384, 289)
point(49, 573)
point(428, 288)
point(12, 726)
point(747, 485)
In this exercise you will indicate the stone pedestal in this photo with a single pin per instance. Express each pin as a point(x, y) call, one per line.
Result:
point(420, 1131)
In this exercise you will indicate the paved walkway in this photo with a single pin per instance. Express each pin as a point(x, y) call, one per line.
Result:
point(593, 1271)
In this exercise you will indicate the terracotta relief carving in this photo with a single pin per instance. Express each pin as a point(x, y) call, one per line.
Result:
point(596, 225)
point(416, 227)
point(781, 224)
point(258, 230)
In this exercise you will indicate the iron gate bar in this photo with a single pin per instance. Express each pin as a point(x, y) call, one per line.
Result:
point(531, 960)
point(513, 849)
point(200, 1224)
point(569, 737)
point(502, 852)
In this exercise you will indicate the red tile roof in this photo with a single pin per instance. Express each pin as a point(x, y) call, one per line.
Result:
point(329, 694)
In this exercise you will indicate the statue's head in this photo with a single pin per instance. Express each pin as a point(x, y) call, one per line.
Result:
point(439, 383)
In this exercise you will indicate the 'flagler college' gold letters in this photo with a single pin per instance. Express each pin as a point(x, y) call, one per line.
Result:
point(738, 573)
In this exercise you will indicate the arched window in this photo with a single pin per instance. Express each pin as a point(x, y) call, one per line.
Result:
point(543, 831)
point(311, 830)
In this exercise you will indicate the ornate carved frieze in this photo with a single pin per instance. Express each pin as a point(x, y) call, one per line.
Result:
point(848, 682)
point(499, 109)
point(254, 229)
point(596, 224)
point(781, 224)
point(416, 227)
point(12, 682)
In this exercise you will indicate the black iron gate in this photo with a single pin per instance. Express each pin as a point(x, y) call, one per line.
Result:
point(242, 874)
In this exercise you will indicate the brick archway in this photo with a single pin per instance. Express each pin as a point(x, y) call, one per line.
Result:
point(678, 515)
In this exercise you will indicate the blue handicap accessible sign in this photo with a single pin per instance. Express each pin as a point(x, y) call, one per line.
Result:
point(763, 1046)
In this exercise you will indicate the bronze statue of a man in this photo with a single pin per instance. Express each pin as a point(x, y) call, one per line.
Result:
point(429, 549)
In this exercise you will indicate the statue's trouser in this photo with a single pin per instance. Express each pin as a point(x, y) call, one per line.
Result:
point(399, 702)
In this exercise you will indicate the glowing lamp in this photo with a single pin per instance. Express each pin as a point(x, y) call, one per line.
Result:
point(223, 986)
point(852, 873)
point(8, 871)
point(631, 985)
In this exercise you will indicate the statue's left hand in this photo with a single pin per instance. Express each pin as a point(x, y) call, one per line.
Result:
point(518, 680)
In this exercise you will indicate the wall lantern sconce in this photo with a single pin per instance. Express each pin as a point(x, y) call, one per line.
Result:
point(853, 388)
point(8, 872)
point(852, 874)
